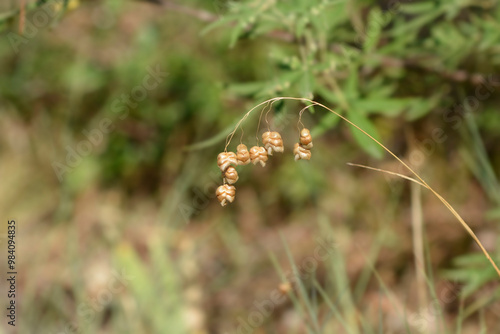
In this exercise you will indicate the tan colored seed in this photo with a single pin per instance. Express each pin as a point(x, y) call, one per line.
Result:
point(225, 159)
point(272, 141)
point(242, 155)
point(301, 153)
point(258, 154)
point(231, 175)
point(306, 139)
point(225, 194)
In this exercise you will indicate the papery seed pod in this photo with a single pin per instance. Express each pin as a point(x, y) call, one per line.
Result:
point(266, 139)
point(306, 139)
point(231, 175)
point(242, 155)
point(301, 152)
point(258, 154)
point(225, 159)
point(225, 194)
point(277, 142)
point(272, 142)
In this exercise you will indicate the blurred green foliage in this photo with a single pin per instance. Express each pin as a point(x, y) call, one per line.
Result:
point(366, 59)
point(400, 63)
point(394, 58)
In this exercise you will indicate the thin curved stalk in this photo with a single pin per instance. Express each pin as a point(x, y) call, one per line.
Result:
point(421, 181)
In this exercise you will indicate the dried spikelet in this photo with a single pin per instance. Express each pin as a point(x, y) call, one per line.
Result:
point(301, 153)
point(306, 139)
point(225, 194)
point(272, 142)
point(242, 155)
point(225, 159)
point(231, 175)
point(258, 154)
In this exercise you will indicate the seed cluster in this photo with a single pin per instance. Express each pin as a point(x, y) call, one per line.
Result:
point(258, 154)
point(302, 150)
point(242, 155)
point(226, 193)
point(225, 159)
point(272, 142)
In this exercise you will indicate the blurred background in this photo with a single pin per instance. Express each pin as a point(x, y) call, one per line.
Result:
point(112, 116)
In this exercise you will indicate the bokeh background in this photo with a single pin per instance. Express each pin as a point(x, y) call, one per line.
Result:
point(112, 116)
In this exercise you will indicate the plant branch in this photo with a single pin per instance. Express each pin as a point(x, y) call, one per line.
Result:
point(284, 36)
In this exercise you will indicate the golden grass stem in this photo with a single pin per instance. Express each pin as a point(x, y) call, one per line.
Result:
point(419, 180)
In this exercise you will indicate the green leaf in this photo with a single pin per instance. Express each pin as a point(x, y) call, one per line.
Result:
point(266, 88)
point(334, 14)
point(384, 106)
point(422, 107)
point(236, 33)
point(248, 88)
point(376, 21)
point(493, 214)
point(378, 87)
point(300, 26)
point(349, 54)
point(473, 278)
point(327, 94)
point(366, 143)
point(8, 14)
point(473, 259)
point(265, 26)
point(307, 83)
point(473, 270)
point(400, 45)
point(491, 33)
point(351, 87)
point(221, 22)
point(416, 24)
point(417, 8)
point(212, 141)
point(327, 122)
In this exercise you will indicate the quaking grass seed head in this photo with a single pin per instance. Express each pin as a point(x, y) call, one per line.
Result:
point(301, 153)
point(225, 194)
point(231, 175)
point(225, 159)
point(305, 138)
point(258, 154)
point(272, 142)
point(242, 155)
